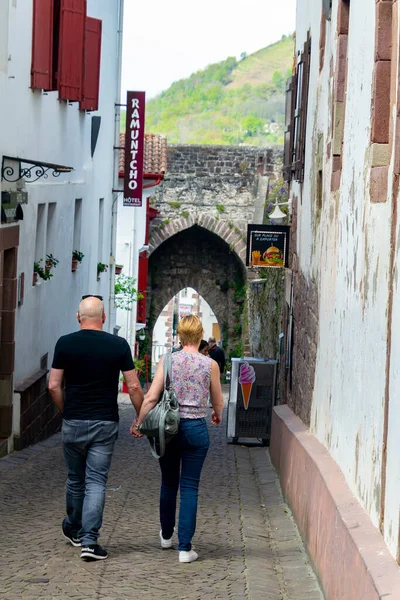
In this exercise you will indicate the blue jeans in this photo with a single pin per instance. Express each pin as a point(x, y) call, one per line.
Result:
point(88, 448)
point(182, 464)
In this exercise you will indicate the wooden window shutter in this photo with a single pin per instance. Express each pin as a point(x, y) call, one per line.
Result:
point(300, 116)
point(91, 76)
point(143, 272)
point(289, 114)
point(42, 44)
point(71, 50)
point(142, 286)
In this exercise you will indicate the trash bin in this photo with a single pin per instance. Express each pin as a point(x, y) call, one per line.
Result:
point(252, 395)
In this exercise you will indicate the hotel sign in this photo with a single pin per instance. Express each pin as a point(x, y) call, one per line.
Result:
point(134, 148)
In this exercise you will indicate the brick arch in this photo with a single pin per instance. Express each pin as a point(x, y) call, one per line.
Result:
point(231, 233)
point(198, 258)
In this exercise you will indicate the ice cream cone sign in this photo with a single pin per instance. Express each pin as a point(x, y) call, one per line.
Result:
point(247, 377)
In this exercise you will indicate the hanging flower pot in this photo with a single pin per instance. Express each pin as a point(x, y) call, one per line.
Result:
point(118, 269)
point(77, 257)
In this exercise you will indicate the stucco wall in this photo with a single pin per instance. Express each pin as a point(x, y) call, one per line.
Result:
point(38, 126)
point(343, 249)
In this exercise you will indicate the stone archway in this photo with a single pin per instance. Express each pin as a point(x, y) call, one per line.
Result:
point(198, 258)
point(230, 233)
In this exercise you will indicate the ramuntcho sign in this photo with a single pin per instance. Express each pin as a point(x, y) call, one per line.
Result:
point(134, 148)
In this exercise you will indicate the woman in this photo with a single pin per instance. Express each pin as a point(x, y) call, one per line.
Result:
point(204, 348)
point(194, 376)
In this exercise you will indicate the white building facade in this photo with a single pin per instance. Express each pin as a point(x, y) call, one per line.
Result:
point(343, 161)
point(59, 84)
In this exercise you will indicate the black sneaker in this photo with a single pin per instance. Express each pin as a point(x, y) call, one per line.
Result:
point(67, 533)
point(94, 552)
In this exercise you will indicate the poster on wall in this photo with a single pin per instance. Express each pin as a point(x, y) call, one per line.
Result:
point(185, 310)
point(267, 246)
point(134, 148)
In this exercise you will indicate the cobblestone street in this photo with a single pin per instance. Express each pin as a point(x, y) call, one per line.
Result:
point(248, 544)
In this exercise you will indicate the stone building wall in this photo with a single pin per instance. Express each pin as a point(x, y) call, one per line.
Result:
point(224, 181)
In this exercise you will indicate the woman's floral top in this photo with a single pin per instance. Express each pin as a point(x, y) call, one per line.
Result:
point(191, 377)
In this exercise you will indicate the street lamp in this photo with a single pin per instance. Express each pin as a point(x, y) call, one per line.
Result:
point(277, 217)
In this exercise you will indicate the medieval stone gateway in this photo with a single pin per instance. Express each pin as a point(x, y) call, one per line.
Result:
point(198, 240)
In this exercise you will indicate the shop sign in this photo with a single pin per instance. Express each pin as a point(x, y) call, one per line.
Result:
point(134, 148)
point(267, 246)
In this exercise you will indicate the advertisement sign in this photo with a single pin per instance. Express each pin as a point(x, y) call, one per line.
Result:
point(185, 310)
point(267, 246)
point(134, 148)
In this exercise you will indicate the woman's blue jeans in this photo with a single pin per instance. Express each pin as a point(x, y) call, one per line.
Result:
point(181, 467)
point(88, 448)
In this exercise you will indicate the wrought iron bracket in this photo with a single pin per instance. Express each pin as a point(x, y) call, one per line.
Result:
point(33, 170)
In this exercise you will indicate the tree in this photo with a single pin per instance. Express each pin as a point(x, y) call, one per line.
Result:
point(125, 292)
point(252, 125)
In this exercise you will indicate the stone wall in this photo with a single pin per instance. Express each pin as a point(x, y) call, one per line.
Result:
point(222, 180)
point(265, 305)
point(39, 416)
point(299, 384)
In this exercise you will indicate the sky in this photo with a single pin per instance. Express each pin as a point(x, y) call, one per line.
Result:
point(167, 41)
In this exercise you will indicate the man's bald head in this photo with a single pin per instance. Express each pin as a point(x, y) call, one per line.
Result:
point(91, 313)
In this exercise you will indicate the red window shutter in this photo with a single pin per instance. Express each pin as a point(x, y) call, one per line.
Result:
point(141, 310)
point(71, 50)
point(143, 272)
point(42, 44)
point(142, 286)
point(91, 78)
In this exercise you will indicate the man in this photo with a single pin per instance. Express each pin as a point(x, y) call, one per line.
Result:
point(90, 360)
point(216, 353)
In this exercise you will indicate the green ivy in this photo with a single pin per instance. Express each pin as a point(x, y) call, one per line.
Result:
point(175, 204)
point(220, 208)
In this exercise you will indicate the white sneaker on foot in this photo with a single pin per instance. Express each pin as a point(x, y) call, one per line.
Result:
point(187, 556)
point(165, 543)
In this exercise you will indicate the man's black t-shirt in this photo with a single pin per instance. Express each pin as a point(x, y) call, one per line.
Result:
point(92, 361)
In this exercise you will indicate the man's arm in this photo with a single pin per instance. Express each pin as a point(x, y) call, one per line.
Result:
point(134, 388)
point(55, 388)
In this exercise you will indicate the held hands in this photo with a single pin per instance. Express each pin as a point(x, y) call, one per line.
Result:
point(215, 418)
point(134, 429)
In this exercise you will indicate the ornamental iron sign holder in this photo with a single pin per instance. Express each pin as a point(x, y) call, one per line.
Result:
point(34, 170)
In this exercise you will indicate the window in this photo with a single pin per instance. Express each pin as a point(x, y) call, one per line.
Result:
point(77, 224)
point(3, 37)
point(40, 233)
point(296, 117)
point(66, 48)
point(101, 230)
point(51, 228)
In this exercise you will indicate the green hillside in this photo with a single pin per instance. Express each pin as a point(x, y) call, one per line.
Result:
point(231, 102)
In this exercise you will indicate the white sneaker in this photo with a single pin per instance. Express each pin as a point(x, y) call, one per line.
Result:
point(187, 556)
point(165, 543)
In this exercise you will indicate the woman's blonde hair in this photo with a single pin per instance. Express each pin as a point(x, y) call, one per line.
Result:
point(190, 330)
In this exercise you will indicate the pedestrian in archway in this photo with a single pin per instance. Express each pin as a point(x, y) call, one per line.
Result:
point(204, 348)
point(216, 353)
point(90, 361)
point(194, 377)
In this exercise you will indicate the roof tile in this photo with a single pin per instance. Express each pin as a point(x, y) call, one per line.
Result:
point(155, 154)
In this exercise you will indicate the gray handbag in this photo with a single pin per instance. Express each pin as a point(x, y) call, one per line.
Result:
point(162, 422)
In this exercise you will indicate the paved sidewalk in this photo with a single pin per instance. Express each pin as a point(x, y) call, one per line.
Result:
point(248, 544)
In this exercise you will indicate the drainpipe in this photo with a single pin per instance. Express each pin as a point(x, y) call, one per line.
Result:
point(114, 209)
